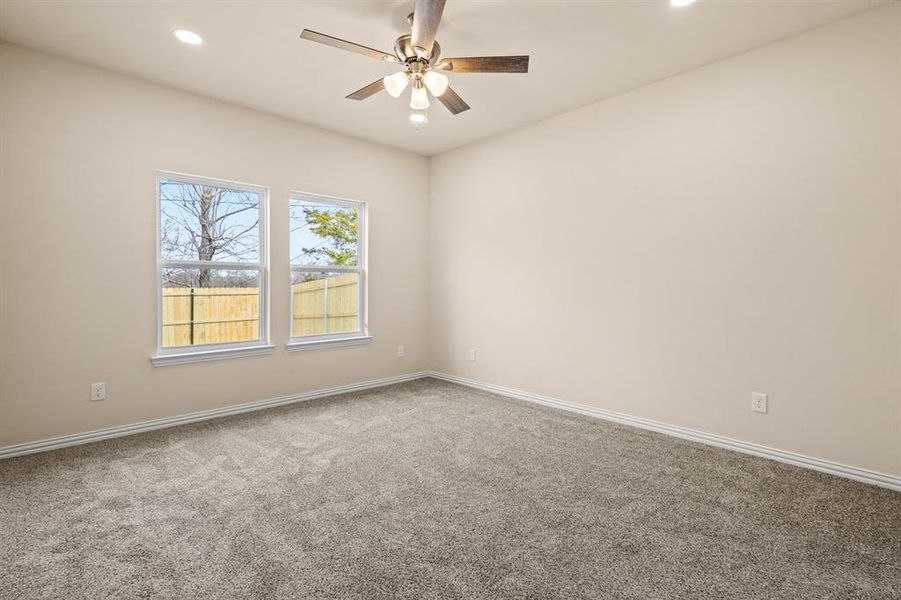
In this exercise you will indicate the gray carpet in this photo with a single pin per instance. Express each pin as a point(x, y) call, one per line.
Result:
point(430, 490)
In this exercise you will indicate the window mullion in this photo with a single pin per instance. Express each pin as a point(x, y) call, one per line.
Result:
point(203, 264)
point(324, 269)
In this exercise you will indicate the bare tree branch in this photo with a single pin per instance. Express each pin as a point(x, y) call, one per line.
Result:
point(203, 222)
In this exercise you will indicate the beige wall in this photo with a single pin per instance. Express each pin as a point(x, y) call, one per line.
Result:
point(664, 253)
point(79, 150)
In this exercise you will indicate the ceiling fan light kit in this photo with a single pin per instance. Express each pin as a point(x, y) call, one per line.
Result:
point(423, 69)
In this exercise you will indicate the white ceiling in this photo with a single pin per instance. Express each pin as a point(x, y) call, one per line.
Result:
point(581, 52)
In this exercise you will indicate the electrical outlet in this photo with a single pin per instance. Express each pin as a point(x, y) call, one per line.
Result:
point(759, 402)
point(98, 391)
point(401, 352)
point(472, 354)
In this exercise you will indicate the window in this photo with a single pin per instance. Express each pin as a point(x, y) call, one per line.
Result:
point(211, 269)
point(328, 273)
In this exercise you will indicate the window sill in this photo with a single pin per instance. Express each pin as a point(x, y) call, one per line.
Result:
point(163, 360)
point(357, 340)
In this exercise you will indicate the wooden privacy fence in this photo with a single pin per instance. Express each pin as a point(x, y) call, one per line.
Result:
point(193, 316)
point(340, 295)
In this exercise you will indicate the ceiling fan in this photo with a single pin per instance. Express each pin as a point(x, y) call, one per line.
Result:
point(423, 68)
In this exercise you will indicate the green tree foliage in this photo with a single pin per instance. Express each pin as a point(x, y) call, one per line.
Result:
point(339, 227)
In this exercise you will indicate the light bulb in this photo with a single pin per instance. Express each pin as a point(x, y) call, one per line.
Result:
point(680, 3)
point(419, 118)
point(436, 82)
point(419, 99)
point(396, 83)
point(188, 37)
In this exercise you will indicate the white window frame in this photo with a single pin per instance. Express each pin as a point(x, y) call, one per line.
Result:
point(206, 352)
point(351, 338)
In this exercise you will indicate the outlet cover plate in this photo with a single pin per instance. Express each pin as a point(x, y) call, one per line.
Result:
point(759, 402)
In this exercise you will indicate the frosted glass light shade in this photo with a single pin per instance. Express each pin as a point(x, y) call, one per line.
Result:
point(436, 82)
point(396, 83)
point(419, 99)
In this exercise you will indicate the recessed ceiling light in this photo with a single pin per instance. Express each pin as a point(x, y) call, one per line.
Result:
point(680, 3)
point(418, 118)
point(188, 37)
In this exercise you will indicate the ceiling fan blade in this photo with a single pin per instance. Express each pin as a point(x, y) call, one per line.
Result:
point(426, 17)
point(321, 38)
point(485, 64)
point(453, 102)
point(364, 92)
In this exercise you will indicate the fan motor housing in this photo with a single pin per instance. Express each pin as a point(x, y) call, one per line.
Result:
point(406, 52)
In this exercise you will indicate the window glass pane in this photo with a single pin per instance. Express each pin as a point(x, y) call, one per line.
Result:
point(324, 303)
point(209, 306)
point(208, 223)
point(323, 234)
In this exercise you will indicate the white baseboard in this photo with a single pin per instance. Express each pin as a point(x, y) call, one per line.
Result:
point(800, 460)
point(123, 430)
